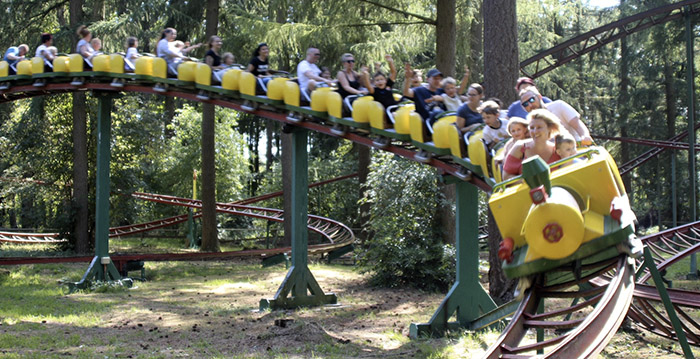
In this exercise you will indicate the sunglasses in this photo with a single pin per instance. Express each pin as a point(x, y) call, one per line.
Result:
point(350, 61)
point(527, 103)
point(317, 54)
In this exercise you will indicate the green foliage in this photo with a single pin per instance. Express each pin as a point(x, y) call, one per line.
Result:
point(405, 247)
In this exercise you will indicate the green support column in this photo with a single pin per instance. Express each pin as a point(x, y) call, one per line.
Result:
point(467, 299)
point(101, 268)
point(668, 305)
point(299, 288)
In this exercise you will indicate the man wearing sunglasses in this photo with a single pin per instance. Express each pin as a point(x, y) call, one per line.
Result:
point(531, 99)
point(516, 109)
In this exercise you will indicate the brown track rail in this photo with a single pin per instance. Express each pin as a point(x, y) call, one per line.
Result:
point(132, 229)
point(18, 237)
point(444, 164)
point(572, 49)
point(335, 232)
point(669, 247)
point(581, 337)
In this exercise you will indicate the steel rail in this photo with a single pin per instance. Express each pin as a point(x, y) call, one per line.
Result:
point(578, 46)
point(588, 335)
point(131, 229)
point(444, 164)
point(334, 231)
point(655, 143)
point(18, 237)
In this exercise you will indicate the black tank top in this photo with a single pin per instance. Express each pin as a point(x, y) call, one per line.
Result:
point(354, 84)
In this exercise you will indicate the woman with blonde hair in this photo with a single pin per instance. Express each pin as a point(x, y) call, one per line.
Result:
point(543, 126)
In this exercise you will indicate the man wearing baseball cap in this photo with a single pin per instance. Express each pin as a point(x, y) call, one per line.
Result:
point(420, 94)
point(516, 109)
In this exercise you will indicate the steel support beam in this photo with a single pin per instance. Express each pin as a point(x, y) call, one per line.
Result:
point(101, 268)
point(299, 288)
point(467, 300)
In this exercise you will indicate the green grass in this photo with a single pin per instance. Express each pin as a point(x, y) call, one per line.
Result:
point(208, 310)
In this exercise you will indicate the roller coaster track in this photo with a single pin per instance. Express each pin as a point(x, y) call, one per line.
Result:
point(596, 318)
point(18, 237)
point(579, 330)
point(336, 233)
point(128, 230)
point(648, 155)
point(578, 46)
point(668, 247)
point(444, 164)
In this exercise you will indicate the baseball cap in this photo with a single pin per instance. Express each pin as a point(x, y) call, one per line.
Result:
point(434, 72)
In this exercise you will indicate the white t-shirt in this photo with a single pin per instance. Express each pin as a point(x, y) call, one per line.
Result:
point(131, 55)
point(565, 113)
point(303, 67)
point(492, 135)
point(165, 51)
point(40, 50)
point(451, 103)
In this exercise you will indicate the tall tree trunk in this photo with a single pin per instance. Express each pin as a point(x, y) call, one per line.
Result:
point(287, 184)
point(500, 56)
point(624, 108)
point(446, 37)
point(364, 157)
point(500, 288)
point(80, 158)
point(210, 238)
point(500, 73)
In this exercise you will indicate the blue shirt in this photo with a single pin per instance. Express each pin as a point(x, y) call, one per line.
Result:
point(14, 50)
point(420, 94)
point(470, 117)
point(516, 109)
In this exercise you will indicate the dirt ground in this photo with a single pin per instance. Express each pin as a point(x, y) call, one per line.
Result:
point(209, 310)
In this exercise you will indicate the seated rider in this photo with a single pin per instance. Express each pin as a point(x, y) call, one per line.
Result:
point(468, 116)
point(531, 100)
point(308, 73)
point(132, 53)
point(381, 91)
point(15, 54)
point(164, 51)
point(41, 51)
point(516, 109)
point(543, 127)
point(496, 129)
point(84, 46)
point(420, 94)
point(348, 78)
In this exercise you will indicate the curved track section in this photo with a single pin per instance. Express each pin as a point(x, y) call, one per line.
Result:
point(669, 247)
point(579, 329)
point(17, 237)
point(131, 229)
point(572, 49)
point(338, 234)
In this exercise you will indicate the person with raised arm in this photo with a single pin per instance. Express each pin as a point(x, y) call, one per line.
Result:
point(421, 94)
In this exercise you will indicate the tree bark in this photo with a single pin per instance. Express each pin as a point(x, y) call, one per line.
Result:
point(80, 157)
point(210, 238)
point(500, 288)
point(446, 37)
point(287, 184)
point(500, 54)
point(364, 157)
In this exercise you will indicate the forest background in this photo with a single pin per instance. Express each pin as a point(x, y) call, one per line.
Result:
point(632, 88)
